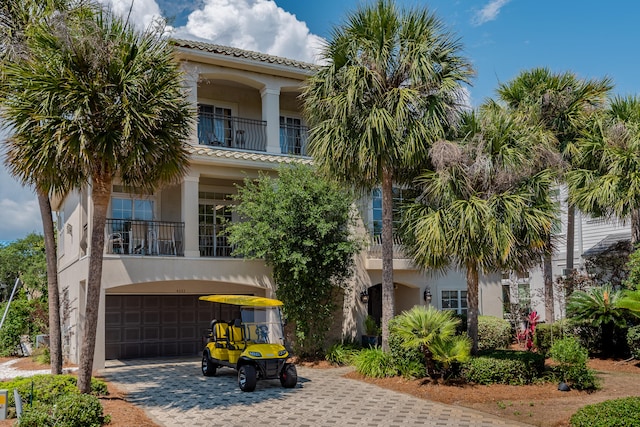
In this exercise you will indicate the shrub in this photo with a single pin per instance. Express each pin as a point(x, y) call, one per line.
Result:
point(493, 333)
point(610, 413)
point(374, 363)
point(547, 333)
point(408, 362)
point(48, 388)
point(342, 353)
point(633, 340)
point(24, 318)
point(504, 367)
point(71, 410)
point(572, 363)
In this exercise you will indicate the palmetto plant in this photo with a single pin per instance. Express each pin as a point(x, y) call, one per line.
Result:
point(94, 100)
point(433, 333)
point(391, 86)
point(598, 307)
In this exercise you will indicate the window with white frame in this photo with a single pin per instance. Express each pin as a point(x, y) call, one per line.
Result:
point(215, 125)
point(454, 300)
point(291, 135)
point(400, 196)
point(214, 214)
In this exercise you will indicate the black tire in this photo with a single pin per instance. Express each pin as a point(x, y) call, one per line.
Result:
point(288, 376)
point(247, 378)
point(208, 367)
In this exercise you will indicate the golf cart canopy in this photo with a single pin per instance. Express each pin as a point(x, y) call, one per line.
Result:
point(243, 300)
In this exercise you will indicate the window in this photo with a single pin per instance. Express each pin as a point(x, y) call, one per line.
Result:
point(130, 208)
point(291, 135)
point(455, 301)
point(215, 126)
point(400, 196)
point(524, 297)
point(506, 298)
point(214, 213)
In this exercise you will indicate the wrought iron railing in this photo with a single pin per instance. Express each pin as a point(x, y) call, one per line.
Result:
point(232, 132)
point(138, 237)
point(293, 139)
point(213, 242)
point(375, 247)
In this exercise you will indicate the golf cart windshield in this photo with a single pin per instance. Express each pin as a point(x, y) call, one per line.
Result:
point(263, 325)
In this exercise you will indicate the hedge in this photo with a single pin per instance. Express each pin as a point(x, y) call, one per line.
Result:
point(504, 367)
point(623, 412)
point(493, 333)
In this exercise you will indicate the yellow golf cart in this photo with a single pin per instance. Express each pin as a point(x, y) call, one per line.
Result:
point(253, 345)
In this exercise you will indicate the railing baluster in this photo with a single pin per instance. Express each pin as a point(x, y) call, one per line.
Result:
point(232, 132)
point(140, 237)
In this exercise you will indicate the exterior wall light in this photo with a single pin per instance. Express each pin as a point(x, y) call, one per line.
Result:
point(427, 295)
point(364, 297)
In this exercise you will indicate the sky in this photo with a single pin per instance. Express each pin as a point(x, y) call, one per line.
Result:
point(500, 37)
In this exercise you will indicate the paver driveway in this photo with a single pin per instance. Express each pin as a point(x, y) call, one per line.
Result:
point(175, 393)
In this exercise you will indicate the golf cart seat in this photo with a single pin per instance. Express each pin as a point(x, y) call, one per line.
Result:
point(235, 334)
point(219, 331)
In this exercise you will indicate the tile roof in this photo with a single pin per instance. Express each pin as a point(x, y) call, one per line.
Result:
point(202, 150)
point(609, 243)
point(240, 53)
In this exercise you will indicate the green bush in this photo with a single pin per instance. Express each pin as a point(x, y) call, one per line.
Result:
point(493, 333)
point(342, 353)
point(25, 317)
point(572, 363)
point(504, 367)
point(633, 340)
point(71, 410)
point(374, 363)
point(547, 333)
point(48, 388)
point(408, 362)
point(610, 413)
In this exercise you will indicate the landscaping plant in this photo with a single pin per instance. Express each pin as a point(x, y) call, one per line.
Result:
point(374, 363)
point(623, 412)
point(504, 367)
point(572, 368)
point(493, 333)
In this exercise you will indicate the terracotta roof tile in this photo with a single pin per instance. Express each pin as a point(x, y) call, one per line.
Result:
point(203, 150)
point(240, 53)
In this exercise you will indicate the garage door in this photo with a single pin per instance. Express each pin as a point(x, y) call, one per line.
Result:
point(159, 325)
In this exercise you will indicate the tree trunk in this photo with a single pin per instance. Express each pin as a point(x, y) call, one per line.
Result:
point(635, 227)
point(100, 196)
point(55, 335)
point(549, 314)
point(571, 219)
point(472, 305)
point(388, 297)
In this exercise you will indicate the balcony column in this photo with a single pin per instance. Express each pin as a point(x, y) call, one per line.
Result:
point(271, 114)
point(190, 215)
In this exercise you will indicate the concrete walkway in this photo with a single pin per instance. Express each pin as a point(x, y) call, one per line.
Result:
point(174, 392)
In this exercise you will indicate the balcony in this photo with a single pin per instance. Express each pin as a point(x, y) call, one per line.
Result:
point(146, 238)
point(226, 131)
point(293, 139)
point(375, 247)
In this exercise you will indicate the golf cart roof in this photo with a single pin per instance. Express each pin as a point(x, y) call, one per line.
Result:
point(243, 300)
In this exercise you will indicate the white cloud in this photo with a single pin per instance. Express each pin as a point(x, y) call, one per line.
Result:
point(141, 12)
point(258, 25)
point(489, 12)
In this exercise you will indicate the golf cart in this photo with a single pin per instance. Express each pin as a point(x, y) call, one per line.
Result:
point(253, 345)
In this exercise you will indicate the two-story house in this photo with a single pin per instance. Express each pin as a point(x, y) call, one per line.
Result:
point(163, 250)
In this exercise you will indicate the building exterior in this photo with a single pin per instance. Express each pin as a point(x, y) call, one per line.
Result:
point(163, 250)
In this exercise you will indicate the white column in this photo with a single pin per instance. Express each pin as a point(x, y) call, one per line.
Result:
point(190, 86)
point(189, 209)
point(271, 114)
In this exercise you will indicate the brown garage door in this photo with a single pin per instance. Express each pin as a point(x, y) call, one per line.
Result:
point(159, 325)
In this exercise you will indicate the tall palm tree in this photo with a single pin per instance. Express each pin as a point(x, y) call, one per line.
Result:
point(606, 181)
point(15, 18)
point(101, 100)
point(391, 86)
point(486, 206)
point(562, 104)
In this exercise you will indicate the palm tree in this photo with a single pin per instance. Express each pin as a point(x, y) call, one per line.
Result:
point(486, 207)
point(432, 332)
point(391, 86)
point(100, 100)
point(606, 181)
point(561, 103)
point(15, 18)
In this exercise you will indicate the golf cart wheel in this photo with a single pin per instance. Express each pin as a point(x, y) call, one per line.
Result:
point(208, 367)
point(289, 376)
point(247, 378)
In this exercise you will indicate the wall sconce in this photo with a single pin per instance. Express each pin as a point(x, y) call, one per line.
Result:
point(69, 229)
point(427, 295)
point(364, 297)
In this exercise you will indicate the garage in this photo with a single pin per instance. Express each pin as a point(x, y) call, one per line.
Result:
point(159, 325)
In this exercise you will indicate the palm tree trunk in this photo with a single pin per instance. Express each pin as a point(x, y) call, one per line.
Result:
point(388, 297)
point(635, 227)
point(100, 195)
point(55, 335)
point(547, 267)
point(571, 219)
point(472, 305)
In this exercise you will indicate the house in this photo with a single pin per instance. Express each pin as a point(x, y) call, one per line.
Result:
point(165, 249)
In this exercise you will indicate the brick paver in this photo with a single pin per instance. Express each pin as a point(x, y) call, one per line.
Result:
point(175, 393)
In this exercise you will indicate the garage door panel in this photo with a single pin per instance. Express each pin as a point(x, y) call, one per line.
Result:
point(159, 325)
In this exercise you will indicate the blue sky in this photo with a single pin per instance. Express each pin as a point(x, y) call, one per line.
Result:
point(500, 37)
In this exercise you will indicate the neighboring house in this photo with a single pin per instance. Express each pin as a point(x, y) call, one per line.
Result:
point(163, 250)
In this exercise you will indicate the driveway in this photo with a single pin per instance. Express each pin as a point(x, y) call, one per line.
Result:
point(175, 393)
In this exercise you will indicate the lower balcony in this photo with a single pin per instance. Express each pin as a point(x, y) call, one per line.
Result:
point(146, 238)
